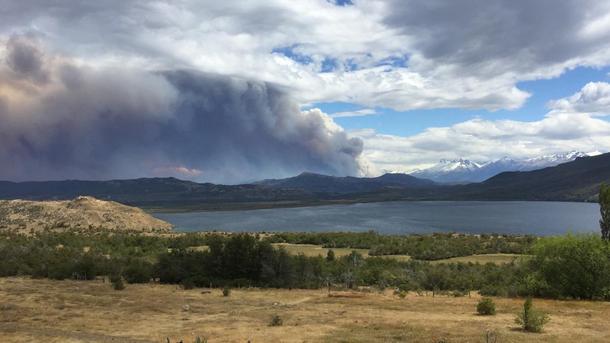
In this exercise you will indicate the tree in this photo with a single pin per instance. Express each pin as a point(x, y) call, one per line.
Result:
point(604, 208)
point(576, 266)
point(330, 255)
point(530, 319)
point(138, 271)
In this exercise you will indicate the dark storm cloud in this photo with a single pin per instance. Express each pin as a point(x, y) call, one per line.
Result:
point(85, 122)
point(497, 36)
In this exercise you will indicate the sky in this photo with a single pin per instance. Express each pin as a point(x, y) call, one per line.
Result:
point(233, 92)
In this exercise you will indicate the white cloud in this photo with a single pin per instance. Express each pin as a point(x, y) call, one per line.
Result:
point(358, 113)
point(448, 54)
point(593, 98)
point(562, 129)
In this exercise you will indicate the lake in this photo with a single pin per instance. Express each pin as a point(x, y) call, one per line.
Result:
point(403, 217)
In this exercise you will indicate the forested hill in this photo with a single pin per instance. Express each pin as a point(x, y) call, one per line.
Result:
point(578, 180)
point(149, 192)
point(319, 183)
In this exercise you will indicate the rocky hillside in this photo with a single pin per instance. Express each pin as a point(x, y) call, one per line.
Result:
point(80, 214)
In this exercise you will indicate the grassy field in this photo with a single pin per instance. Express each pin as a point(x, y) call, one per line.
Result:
point(486, 258)
point(315, 250)
point(90, 311)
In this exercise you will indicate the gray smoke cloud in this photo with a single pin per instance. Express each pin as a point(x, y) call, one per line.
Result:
point(61, 119)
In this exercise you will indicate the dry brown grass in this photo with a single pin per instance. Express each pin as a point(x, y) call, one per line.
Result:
point(315, 250)
point(482, 259)
point(82, 311)
point(83, 214)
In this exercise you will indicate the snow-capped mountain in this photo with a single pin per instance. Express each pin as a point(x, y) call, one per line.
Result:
point(455, 166)
point(465, 171)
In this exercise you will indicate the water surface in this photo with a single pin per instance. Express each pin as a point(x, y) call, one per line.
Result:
point(402, 217)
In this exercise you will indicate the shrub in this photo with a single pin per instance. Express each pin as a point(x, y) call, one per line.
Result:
point(118, 285)
point(276, 321)
point(530, 319)
point(138, 271)
point(494, 290)
point(188, 283)
point(85, 268)
point(486, 307)
point(330, 255)
point(574, 266)
point(117, 282)
point(226, 292)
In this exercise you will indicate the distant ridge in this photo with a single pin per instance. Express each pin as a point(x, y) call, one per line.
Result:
point(319, 183)
point(461, 171)
point(578, 180)
point(147, 192)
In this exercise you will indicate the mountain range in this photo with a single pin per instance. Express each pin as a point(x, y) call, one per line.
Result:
point(578, 180)
point(460, 171)
point(318, 183)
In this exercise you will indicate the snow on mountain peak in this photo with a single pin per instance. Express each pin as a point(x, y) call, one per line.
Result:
point(456, 164)
point(462, 170)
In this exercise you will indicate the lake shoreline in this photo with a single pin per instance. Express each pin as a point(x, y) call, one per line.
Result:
point(246, 206)
point(400, 217)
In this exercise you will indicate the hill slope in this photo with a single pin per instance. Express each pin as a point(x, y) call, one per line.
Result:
point(80, 214)
point(578, 180)
point(148, 192)
point(318, 183)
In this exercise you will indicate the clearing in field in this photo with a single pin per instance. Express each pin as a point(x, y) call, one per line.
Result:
point(482, 259)
point(312, 250)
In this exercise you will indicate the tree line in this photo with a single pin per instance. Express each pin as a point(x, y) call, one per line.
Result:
point(572, 266)
point(436, 246)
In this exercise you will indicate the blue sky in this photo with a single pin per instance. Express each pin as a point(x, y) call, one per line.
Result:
point(405, 123)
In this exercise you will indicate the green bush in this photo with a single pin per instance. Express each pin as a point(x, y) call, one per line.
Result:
point(486, 307)
point(188, 284)
point(226, 292)
point(117, 282)
point(138, 271)
point(330, 255)
point(276, 321)
point(530, 319)
point(572, 266)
